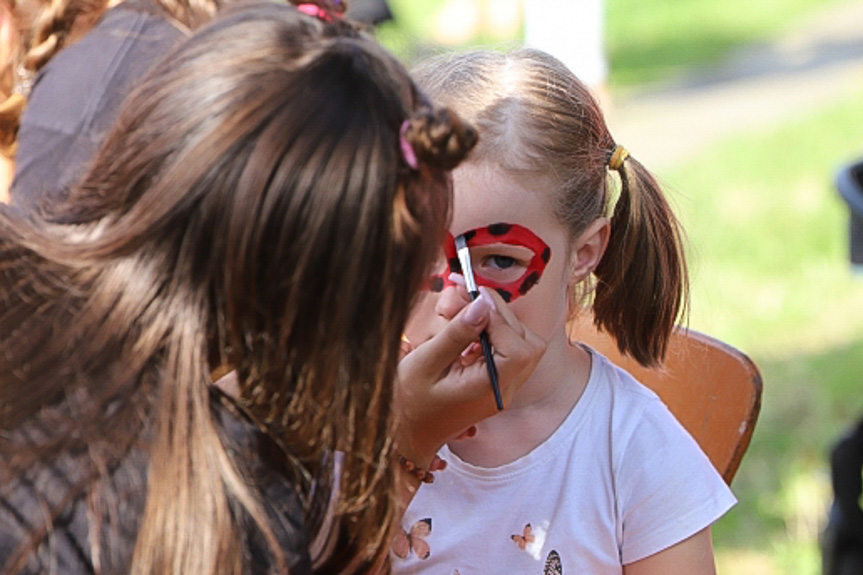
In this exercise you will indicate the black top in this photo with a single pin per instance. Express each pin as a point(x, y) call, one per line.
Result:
point(76, 98)
point(68, 549)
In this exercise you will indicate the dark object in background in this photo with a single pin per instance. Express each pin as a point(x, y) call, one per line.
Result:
point(842, 540)
point(849, 182)
point(369, 11)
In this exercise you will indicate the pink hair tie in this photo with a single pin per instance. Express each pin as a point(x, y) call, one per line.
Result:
point(315, 11)
point(407, 150)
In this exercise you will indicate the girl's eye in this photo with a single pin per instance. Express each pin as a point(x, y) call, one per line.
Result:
point(498, 268)
point(501, 262)
point(497, 264)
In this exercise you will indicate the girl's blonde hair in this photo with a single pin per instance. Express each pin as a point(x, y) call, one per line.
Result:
point(250, 208)
point(536, 118)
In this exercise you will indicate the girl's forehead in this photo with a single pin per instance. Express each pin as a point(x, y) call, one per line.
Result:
point(485, 195)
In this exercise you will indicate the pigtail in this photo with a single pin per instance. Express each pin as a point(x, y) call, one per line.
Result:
point(642, 281)
point(440, 139)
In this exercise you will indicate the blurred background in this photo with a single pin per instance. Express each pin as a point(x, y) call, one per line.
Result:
point(745, 111)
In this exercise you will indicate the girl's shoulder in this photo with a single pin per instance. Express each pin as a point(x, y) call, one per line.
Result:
point(618, 383)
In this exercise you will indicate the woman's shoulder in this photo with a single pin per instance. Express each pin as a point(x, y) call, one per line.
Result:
point(265, 466)
point(52, 510)
point(63, 481)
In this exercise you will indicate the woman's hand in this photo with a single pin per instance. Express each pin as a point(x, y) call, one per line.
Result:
point(438, 394)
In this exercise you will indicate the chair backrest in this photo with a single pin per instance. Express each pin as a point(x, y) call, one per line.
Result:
point(713, 389)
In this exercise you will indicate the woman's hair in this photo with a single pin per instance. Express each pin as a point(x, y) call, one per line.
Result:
point(251, 208)
point(536, 118)
point(44, 27)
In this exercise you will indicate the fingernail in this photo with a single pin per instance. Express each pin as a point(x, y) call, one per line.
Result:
point(478, 310)
point(457, 279)
point(470, 349)
point(485, 293)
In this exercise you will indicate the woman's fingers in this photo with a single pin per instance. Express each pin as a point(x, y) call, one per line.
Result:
point(506, 314)
point(517, 350)
point(442, 391)
point(435, 356)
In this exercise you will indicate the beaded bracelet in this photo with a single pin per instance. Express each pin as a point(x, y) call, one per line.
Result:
point(423, 475)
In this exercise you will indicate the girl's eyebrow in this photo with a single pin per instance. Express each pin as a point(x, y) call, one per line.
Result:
point(514, 250)
point(501, 244)
point(508, 233)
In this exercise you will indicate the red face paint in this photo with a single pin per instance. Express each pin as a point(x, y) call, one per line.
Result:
point(507, 258)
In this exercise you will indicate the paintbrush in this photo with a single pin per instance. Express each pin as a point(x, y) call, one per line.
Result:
point(473, 291)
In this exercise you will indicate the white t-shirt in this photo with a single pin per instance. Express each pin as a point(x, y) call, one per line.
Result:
point(618, 481)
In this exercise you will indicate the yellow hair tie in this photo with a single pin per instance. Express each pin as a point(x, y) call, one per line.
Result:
point(617, 158)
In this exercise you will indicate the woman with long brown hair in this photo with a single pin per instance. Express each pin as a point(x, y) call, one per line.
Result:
point(269, 200)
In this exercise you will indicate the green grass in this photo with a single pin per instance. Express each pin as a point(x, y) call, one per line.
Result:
point(768, 248)
point(768, 233)
point(653, 39)
point(647, 40)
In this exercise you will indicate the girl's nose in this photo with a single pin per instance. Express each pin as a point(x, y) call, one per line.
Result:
point(452, 299)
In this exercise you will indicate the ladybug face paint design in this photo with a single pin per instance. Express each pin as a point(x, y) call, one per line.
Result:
point(507, 258)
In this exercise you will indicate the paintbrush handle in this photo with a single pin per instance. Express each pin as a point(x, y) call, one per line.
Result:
point(492, 369)
point(489, 361)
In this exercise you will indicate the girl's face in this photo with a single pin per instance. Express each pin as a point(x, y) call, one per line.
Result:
point(518, 247)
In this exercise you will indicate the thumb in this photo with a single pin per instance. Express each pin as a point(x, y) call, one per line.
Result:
point(437, 354)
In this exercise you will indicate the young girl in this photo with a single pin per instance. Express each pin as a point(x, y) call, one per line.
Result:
point(586, 471)
point(269, 200)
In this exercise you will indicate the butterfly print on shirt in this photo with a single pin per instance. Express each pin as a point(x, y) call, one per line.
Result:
point(525, 537)
point(414, 540)
point(553, 566)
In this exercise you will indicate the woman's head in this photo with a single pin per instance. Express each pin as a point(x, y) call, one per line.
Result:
point(541, 127)
point(252, 207)
point(263, 159)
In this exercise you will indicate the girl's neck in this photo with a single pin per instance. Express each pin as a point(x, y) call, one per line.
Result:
point(539, 408)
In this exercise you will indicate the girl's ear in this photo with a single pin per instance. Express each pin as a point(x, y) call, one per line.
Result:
point(588, 249)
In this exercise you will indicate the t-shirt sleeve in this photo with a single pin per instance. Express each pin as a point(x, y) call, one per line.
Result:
point(668, 490)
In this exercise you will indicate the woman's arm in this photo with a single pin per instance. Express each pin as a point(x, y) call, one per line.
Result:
point(692, 556)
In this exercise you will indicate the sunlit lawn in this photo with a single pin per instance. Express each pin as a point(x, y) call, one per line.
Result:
point(768, 238)
point(646, 39)
point(652, 39)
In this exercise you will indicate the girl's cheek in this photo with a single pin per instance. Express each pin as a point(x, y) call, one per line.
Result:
point(420, 325)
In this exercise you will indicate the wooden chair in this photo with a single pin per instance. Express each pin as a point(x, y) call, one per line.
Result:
point(713, 389)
